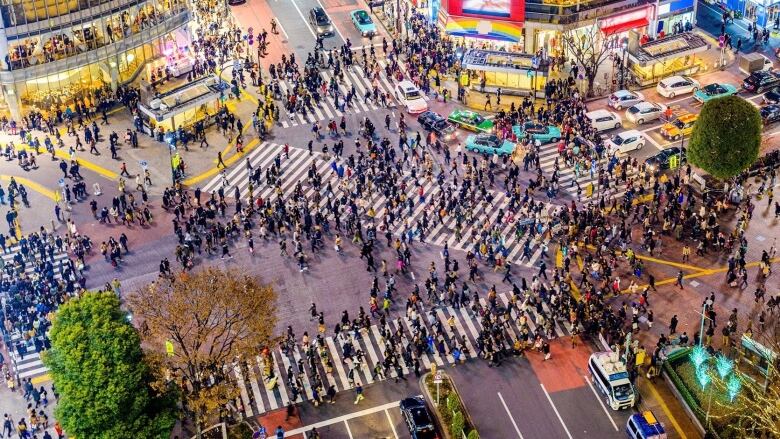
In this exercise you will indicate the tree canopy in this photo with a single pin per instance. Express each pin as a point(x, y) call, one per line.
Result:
point(98, 367)
point(726, 138)
point(197, 326)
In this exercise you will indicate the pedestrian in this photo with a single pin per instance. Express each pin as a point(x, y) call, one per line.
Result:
point(546, 350)
point(673, 324)
point(220, 162)
point(679, 281)
point(359, 393)
point(279, 432)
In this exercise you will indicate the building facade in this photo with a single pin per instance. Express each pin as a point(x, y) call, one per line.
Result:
point(55, 53)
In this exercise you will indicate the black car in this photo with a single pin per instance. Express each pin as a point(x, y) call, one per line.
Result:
point(772, 96)
point(770, 113)
point(418, 418)
point(761, 80)
point(435, 122)
point(660, 161)
point(236, 2)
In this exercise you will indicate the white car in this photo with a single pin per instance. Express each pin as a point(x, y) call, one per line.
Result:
point(645, 112)
point(409, 96)
point(603, 120)
point(676, 85)
point(626, 141)
point(624, 98)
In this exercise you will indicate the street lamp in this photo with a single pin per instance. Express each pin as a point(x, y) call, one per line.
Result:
point(623, 68)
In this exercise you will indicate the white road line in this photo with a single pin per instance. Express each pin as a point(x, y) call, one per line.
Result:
point(349, 432)
point(305, 21)
point(333, 23)
point(279, 24)
point(593, 389)
point(517, 429)
point(566, 429)
point(342, 418)
point(392, 426)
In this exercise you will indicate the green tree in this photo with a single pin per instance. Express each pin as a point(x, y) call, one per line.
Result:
point(726, 138)
point(458, 424)
point(99, 369)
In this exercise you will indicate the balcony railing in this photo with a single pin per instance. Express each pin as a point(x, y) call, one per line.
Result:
point(100, 54)
point(566, 12)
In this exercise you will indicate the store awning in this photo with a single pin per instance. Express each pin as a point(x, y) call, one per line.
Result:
point(625, 26)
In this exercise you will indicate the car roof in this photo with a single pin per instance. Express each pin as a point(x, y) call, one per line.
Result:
point(624, 93)
point(318, 10)
point(688, 117)
point(645, 104)
point(406, 84)
point(672, 79)
point(630, 133)
point(598, 113)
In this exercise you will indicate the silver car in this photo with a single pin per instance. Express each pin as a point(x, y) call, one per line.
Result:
point(645, 112)
point(624, 99)
point(320, 21)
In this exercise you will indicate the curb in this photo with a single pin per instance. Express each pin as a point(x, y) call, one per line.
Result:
point(437, 409)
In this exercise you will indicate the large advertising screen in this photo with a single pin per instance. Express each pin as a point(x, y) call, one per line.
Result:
point(495, 8)
point(511, 10)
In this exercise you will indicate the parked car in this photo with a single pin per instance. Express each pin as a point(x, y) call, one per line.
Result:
point(490, 144)
point(626, 141)
point(409, 96)
point(603, 120)
point(660, 161)
point(772, 96)
point(537, 131)
point(680, 127)
point(676, 85)
point(436, 123)
point(645, 112)
point(417, 418)
point(761, 80)
point(770, 113)
point(471, 120)
point(320, 21)
point(714, 91)
point(363, 22)
point(624, 98)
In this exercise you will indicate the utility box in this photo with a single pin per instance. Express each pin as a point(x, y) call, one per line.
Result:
point(751, 62)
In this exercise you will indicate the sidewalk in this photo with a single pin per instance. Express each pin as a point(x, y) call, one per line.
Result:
point(709, 19)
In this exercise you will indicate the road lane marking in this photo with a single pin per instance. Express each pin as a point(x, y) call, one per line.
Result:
point(305, 21)
point(333, 23)
point(342, 418)
point(279, 24)
point(566, 429)
point(349, 432)
point(392, 426)
point(517, 429)
point(666, 411)
point(37, 187)
point(601, 403)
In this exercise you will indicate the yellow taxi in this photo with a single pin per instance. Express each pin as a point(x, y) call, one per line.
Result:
point(682, 126)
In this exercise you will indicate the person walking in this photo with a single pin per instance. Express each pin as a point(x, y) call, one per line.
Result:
point(673, 324)
point(359, 393)
point(220, 162)
point(679, 281)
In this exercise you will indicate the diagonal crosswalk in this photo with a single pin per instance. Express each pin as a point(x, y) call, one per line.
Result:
point(327, 109)
point(299, 370)
point(520, 242)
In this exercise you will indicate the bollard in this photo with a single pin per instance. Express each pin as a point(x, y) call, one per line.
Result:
point(96, 189)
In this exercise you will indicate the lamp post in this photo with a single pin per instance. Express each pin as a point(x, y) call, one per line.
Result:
point(623, 68)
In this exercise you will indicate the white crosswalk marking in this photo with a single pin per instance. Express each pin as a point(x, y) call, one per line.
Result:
point(465, 331)
point(295, 169)
point(326, 109)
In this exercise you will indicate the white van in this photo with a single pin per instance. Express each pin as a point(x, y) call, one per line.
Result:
point(609, 374)
point(603, 120)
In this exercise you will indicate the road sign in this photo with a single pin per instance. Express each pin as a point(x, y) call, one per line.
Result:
point(143, 164)
point(61, 182)
point(437, 379)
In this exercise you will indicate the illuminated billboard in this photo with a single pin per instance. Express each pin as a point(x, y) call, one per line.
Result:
point(494, 8)
point(509, 10)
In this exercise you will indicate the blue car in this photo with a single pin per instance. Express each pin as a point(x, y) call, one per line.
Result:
point(542, 133)
point(714, 91)
point(363, 22)
point(489, 144)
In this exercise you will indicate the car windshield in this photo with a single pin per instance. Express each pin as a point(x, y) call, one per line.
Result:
point(663, 84)
point(412, 93)
point(362, 17)
point(713, 89)
point(420, 417)
point(633, 110)
point(617, 140)
point(476, 119)
point(679, 124)
point(622, 392)
point(441, 125)
point(322, 19)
